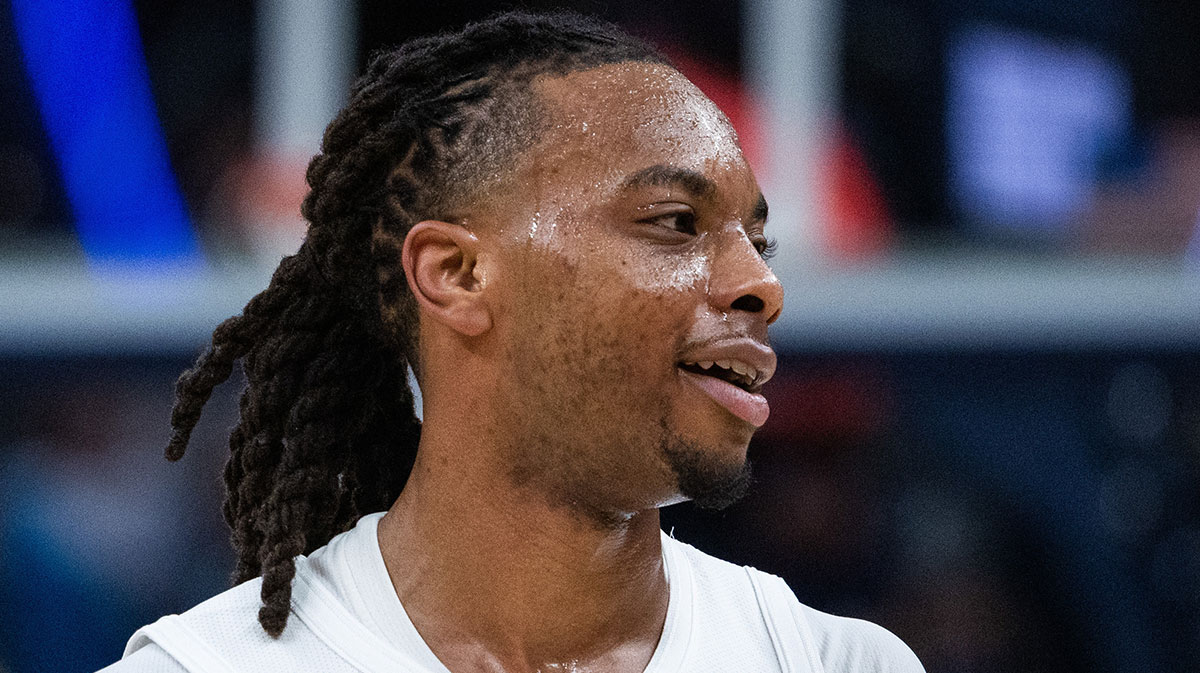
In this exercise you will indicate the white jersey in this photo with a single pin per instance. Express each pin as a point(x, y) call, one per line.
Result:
point(346, 618)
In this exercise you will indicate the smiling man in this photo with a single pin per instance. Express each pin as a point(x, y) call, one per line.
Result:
point(559, 234)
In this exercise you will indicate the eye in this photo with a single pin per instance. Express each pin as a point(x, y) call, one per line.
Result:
point(683, 221)
point(766, 247)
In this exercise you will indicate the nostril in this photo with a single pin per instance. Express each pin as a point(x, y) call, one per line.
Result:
point(749, 303)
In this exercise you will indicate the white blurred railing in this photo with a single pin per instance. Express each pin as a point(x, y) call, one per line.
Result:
point(975, 301)
point(915, 302)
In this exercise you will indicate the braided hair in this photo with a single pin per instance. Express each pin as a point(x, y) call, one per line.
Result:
point(327, 430)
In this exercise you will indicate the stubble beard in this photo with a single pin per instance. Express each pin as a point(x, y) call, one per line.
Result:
point(705, 479)
point(546, 454)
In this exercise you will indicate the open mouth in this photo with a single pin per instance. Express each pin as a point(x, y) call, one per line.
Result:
point(731, 371)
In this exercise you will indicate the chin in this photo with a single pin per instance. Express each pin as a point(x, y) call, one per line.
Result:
point(711, 477)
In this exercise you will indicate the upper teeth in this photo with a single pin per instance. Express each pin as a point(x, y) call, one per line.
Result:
point(741, 368)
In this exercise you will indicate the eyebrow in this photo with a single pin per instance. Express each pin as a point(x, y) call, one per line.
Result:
point(661, 175)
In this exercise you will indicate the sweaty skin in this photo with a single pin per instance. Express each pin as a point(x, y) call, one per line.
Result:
point(554, 315)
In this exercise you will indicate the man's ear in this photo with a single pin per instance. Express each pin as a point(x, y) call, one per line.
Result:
point(439, 261)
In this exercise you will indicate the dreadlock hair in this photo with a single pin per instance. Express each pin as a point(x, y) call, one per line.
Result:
point(327, 430)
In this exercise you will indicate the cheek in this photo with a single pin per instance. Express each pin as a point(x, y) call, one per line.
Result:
point(686, 276)
point(653, 299)
point(617, 312)
point(676, 276)
point(615, 345)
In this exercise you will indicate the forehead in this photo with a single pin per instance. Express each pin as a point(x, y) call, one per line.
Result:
point(619, 118)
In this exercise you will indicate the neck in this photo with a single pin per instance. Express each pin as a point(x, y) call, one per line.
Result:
point(495, 575)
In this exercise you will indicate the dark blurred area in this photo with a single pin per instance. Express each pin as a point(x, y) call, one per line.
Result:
point(97, 532)
point(999, 512)
point(999, 508)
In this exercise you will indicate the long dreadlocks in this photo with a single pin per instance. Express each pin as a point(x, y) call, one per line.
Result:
point(327, 430)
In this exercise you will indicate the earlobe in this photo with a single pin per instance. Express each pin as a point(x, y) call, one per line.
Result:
point(441, 264)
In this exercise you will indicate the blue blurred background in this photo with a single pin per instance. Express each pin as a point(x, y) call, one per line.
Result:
point(986, 426)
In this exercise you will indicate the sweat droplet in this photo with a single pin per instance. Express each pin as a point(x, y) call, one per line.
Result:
point(533, 226)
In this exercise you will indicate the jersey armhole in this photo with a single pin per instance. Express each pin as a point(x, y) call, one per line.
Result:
point(791, 636)
point(181, 643)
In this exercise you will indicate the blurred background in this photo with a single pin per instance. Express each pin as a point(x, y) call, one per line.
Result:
point(986, 426)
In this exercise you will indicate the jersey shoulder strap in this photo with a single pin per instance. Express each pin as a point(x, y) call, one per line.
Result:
point(188, 638)
point(828, 643)
point(222, 635)
point(172, 634)
point(854, 645)
point(790, 632)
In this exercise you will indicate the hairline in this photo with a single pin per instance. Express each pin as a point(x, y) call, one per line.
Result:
point(534, 119)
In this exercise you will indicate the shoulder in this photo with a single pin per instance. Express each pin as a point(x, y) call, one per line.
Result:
point(842, 644)
point(148, 659)
point(848, 644)
point(200, 638)
point(323, 631)
point(223, 634)
point(179, 643)
point(230, 616)
point(797, 632)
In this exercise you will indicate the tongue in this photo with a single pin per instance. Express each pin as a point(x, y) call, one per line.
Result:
point(750, 407)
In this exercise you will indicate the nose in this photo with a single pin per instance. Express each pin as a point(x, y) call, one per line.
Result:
point(742, 281)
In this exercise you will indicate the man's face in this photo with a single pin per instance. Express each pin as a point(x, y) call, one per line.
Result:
point(627, 249)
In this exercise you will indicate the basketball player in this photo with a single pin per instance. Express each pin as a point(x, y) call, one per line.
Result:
point(560, 236)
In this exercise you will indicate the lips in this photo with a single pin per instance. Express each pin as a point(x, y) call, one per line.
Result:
point(732, 374)
point(750, 407)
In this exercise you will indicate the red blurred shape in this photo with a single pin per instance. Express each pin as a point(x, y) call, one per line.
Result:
point(830, 405)
point(859, 226)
